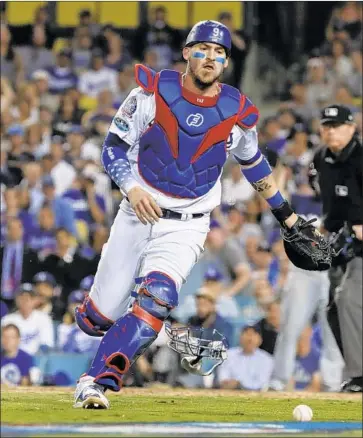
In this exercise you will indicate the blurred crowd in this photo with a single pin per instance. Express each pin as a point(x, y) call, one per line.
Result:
point(58, 97)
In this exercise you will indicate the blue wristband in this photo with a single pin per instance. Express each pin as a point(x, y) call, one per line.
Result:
point(258, 172)
point(276, 200)
point(250, 160)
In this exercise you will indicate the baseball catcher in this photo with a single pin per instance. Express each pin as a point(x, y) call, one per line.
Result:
point(165, 150)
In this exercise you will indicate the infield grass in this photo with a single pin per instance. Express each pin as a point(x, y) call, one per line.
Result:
point(54, 405)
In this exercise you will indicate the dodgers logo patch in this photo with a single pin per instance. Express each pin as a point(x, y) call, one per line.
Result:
point(331, 112)
point(121, 124)
point(341, 190)
point(195, 120)
point(130, 107)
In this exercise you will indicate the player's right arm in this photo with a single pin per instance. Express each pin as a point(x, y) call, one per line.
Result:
point(130, 121)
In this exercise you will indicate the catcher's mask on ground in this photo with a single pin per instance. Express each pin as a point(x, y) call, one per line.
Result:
point(207, 346)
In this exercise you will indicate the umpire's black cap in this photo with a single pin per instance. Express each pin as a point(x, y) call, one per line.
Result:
point(338, 114)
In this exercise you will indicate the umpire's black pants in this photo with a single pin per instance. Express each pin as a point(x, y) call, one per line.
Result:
point(335, 277)
point(345, 315)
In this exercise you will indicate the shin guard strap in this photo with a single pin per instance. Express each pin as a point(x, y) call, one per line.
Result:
point(95, 315)
point(119, 362)
point(145, 316)
point(109, 380)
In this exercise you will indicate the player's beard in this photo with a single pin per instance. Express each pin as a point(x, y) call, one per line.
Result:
point(201, 83)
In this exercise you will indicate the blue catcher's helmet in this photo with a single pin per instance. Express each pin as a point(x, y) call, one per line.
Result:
point(212, 32)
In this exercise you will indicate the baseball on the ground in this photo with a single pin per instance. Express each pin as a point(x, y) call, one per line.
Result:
point(302, 413)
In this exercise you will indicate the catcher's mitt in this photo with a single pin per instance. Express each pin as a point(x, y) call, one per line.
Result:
point(306, 247)
point(344, 245)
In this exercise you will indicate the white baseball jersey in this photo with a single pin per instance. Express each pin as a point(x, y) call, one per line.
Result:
point(135, 116)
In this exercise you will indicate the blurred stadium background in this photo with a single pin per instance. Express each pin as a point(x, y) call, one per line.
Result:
point(65, 69)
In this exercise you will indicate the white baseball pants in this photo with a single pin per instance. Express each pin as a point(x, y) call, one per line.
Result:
point(134, 250)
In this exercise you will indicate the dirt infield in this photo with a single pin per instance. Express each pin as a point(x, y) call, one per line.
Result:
point(161, 391)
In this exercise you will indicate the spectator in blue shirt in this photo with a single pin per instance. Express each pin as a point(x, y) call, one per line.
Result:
point(61, 75)
point(63, 211)
point(18, 263)
point(214, 280)
point(32, 182)
point(275, 140)
point(13, 209)
point(4, 310)
point(307, 376)
point(88, 206)
point(87, 283)
point(16, 364)
point(206, 316)
point(118, 56)
point(278, 268)
point(247, 366)
point(42, 240)
point(71, 339)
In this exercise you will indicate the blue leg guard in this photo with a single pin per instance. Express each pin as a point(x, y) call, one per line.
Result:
point(133, 333)
point(90, 320)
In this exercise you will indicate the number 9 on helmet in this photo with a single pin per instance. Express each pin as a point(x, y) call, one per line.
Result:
point(210, 31)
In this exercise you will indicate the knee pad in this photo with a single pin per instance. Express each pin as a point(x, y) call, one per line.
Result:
point(156, 298)
point(134, 332)
point(90, 320)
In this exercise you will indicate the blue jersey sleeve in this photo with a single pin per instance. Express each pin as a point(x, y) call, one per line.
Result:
point(116, 162)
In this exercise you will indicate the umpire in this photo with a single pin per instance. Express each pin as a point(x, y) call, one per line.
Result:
point(337, 174)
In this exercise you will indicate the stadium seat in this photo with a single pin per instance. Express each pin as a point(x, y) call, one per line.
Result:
point(67, 12)
point(177, 12)
point(201, 12)
point(40, 361)
point(62, 368)
point(121, 14)
point(19, 13)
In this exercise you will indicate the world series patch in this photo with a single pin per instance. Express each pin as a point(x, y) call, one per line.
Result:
point(130, 107)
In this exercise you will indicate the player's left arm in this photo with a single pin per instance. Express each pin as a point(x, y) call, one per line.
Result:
point(304, 245)
point(258, 172)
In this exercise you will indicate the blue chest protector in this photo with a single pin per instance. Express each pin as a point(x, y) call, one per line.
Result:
point(183, 152)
